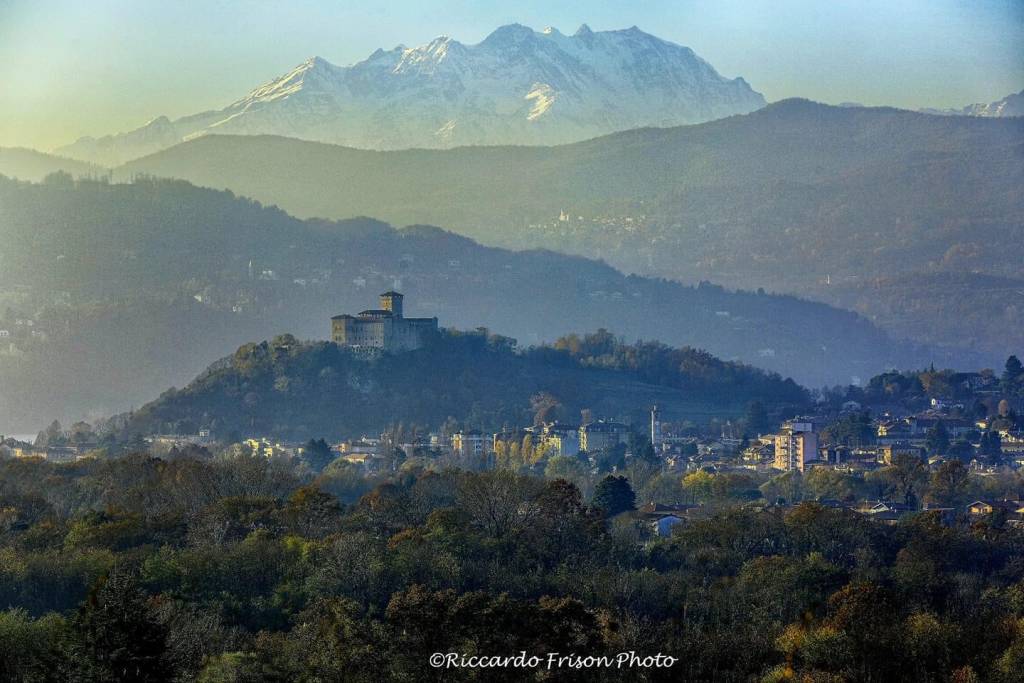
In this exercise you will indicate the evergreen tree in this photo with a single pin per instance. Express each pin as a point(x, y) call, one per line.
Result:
point(1013, 370)
point(119, 637)
point(991, 446)
point(853, 429)
point(1013, 375)
point(318, 454)
point(937, 439)
point(642, 449)
point(757, 418)
point(614, 495)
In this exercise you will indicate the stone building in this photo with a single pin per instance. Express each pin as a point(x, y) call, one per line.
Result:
point(382, 329)
point(597, 436)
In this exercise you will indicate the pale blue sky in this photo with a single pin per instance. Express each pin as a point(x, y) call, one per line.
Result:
point(71, 68)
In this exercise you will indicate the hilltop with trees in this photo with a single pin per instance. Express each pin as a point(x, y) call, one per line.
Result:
point(296, 390)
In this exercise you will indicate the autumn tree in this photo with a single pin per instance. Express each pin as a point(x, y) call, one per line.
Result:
point(937, 438)
point(948, 483)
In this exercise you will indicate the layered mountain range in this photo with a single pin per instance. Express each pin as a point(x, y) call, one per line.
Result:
point(517, 86)
point(783, 197)
point(135, 287)
point(834, 203)
point(797, 197)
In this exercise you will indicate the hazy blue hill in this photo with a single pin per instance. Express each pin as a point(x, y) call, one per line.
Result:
point(295, 390)
point(28, 164)
point(137, 286)
point(790, 197)
point(805, 149)
point(982, 311)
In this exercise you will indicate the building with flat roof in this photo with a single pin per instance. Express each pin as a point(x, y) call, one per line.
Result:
point(561, 439)
point(383, 329)
point(596, 436)
point(796, 445)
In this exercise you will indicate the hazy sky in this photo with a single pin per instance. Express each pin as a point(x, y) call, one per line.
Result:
point(90, 67)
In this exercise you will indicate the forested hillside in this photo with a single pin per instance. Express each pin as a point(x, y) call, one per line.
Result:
point(131, 288)
point(984, 312)
point(300, 391)
point(28, 164)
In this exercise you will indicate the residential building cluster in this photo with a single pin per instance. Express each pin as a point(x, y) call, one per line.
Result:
point(800, 444)
point(477, 449)
point(19, 334)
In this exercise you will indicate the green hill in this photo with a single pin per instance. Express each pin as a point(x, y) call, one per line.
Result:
point(299, 390)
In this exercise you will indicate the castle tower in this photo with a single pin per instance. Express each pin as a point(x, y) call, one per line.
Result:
point(392, 301)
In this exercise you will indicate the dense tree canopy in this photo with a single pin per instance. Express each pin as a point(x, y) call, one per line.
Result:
point(240, 568)
point(298, 390)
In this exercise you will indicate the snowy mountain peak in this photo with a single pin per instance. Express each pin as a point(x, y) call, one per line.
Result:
point(1011, 105)
point(517, 86)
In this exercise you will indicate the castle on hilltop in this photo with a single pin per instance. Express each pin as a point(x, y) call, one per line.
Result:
point(382, 329)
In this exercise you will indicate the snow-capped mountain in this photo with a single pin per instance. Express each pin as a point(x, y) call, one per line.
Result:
point(517, 86)
point(1011, 105)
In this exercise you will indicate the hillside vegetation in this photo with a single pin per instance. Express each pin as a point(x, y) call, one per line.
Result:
point(253, 569)
point(28, 164)
point(135, 287)
point(289, 389)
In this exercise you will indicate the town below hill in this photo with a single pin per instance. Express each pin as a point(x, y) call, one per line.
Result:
point(888, 518)
point(678, 420)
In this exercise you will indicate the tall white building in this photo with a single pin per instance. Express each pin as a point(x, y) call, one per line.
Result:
point(796, 445)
